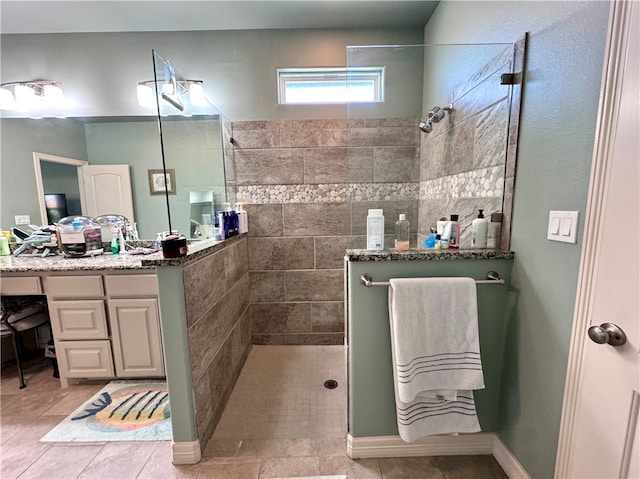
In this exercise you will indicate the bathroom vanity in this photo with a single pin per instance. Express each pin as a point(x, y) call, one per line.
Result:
point(104, 313)
point(131, 316)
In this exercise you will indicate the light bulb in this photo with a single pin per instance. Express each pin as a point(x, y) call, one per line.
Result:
point(25, 97)
point(7, 101)
point(53, 95)
point(146, 96)
point(196, 94)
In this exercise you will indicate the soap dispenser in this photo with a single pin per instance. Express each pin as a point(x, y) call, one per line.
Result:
point(479, 230)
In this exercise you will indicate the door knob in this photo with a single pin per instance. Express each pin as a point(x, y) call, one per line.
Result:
point(607, 333)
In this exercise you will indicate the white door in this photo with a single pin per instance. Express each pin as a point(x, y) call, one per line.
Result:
point(600, 437)
point(107, 190)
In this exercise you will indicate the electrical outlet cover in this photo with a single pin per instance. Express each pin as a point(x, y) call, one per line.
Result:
point(23, 219)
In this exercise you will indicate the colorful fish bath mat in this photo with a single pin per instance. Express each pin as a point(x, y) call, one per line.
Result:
point(121, 411)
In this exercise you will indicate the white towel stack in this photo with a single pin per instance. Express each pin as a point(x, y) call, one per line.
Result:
point(436, 355)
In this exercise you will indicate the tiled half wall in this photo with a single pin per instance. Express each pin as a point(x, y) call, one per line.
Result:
point(219, 329)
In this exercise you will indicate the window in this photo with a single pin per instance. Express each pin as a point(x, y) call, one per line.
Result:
point(330, 85)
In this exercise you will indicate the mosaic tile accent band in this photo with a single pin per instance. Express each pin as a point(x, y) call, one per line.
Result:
point(482, 183)
point(327, 192)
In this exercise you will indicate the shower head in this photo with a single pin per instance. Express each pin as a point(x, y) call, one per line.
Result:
point(425, 126)
point(434, 116)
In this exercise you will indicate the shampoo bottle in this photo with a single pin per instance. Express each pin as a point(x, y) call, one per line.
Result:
point(479, 230)
point(402, 233)
point(375, 230)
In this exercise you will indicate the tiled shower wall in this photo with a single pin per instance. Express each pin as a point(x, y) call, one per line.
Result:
point(462, 161)
point(307, 186)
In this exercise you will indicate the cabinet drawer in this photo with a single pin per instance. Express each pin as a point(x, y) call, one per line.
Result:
point(78, 319)
point(73, 286)
point(84, 359)
point(126, 286)
point(20, 285)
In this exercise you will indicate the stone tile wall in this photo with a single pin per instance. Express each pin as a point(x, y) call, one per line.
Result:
point(219, 328)
point(307, 186)
point(462, 161)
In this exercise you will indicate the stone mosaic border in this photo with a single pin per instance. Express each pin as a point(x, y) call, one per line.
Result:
point(483, 183)
point(327, 192)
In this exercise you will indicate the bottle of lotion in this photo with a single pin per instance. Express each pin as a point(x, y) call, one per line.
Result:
point(479, 230)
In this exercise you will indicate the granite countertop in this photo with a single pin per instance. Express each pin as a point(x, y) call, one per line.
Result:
point(27, 263)
point(426, 254)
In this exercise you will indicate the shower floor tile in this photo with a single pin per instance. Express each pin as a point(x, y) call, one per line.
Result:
point(280, 394)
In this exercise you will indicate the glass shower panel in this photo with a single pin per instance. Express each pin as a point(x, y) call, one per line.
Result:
point(437, 144)
point(193, 133)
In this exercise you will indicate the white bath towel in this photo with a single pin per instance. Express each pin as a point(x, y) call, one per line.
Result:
point(426, 416)
point(436, 353)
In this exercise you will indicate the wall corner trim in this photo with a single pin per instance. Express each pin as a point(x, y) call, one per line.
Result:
point(484, 443)
point(187, 452)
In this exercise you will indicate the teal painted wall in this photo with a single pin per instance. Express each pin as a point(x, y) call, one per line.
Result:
point(557, 129)
point(20, 138)
point(371, 398)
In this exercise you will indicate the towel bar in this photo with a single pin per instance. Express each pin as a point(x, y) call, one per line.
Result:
point(492, 277)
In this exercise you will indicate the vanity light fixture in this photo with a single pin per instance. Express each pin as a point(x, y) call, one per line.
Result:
point(25, 95)
point(172, 92)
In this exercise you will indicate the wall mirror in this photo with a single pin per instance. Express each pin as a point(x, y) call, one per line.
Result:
point(62, 145)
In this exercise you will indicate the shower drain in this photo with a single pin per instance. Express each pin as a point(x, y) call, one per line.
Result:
point(331, 384)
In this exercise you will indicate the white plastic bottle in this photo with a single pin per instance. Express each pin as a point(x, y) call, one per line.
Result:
point(375, 230)
point(402, 233)
point(479, 230)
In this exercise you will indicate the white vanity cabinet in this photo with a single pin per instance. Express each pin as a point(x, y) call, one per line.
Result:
point(105, 326)
point(135, 325)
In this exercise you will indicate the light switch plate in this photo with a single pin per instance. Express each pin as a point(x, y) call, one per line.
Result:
point(23, 219)
point(563, 226)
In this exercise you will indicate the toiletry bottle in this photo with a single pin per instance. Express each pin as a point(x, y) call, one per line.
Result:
point(430, 241)
point(375, 230)
point(243, 226)
point(4, 246)
point(443, 228)
point(159, 241)
point(454, 239)
point(438, 244)
point(402, 233)
point(115, 240)
point(479, 230)
point(495, 231)
point(121, 243)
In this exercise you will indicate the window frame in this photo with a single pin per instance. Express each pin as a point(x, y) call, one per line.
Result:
point(331, 74)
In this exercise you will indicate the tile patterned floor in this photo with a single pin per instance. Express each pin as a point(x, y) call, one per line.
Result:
point(280, 422)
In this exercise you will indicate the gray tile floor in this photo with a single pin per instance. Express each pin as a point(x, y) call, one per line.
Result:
point(280, 422)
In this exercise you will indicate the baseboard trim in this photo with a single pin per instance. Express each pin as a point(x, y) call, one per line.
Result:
point(510, 465)
point(186, 452)
point(444, 445)
point(484, 443)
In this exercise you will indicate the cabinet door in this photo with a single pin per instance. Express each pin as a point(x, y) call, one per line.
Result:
point(78, 319)
point(84, 359)
point(135, 334)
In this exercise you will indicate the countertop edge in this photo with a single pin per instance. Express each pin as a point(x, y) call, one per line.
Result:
point(361, 255)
